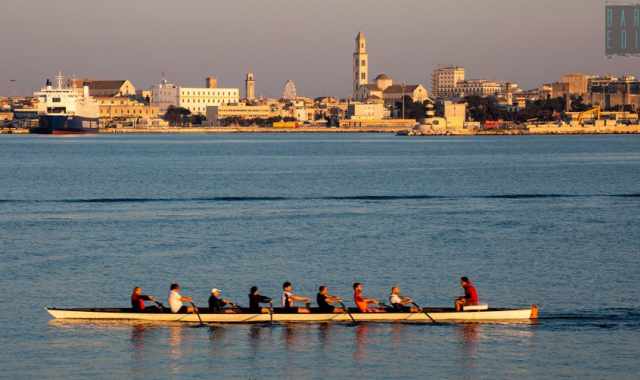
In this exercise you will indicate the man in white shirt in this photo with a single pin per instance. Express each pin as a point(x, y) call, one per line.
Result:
point(289, 299)
point(399, 302)
point(176, 300)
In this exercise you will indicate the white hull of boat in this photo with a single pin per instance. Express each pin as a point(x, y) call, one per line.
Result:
point(498, 315)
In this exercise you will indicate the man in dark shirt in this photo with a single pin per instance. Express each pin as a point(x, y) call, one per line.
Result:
point(325, 301)
point(255, 299)
point(137, 299)
point(216, 303)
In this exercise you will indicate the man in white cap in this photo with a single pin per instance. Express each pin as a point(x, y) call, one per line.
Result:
point(216, 303)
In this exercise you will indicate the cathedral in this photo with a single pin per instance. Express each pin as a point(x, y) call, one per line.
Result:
point(383, 88)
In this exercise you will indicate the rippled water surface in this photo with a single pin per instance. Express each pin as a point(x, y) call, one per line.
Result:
point(547, 220)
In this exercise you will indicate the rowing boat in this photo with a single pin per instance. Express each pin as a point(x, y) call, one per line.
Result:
point(284, 316)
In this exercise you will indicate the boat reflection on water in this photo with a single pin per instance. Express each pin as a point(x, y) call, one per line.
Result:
point(360, 352)
point(469, 336)
point(174, 344)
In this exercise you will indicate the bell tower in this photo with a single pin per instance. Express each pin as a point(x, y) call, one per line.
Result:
point(250, 87)
point(360, 64)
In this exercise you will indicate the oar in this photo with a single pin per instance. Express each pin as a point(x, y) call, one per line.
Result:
point(346, 309)
point(160, 305)
point(270, 312)
point(424, 311)
point(195, 310)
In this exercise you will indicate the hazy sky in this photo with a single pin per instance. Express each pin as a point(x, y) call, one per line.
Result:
point(311, 42)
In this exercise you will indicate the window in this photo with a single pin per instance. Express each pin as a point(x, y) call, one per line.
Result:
point(609, 17)
point(363, 76)
point(56, 100)
point(363, 63)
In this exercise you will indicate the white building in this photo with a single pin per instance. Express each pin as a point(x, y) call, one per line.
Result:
point(164, 95)
point(197, 100)
point(367, 111)
point(444, 81)
point(194, 99)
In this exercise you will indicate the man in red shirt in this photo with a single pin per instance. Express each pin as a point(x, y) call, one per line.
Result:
point(470, 294)
point(137, 299)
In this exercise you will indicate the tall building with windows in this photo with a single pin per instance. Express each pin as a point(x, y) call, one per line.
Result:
point(444, 81)
point(360, 64)
point(250, 87)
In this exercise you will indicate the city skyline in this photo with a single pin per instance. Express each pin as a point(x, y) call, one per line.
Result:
point(147, 39)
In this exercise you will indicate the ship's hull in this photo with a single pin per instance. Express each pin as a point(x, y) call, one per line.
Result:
point(438, 315)
point(65, 125)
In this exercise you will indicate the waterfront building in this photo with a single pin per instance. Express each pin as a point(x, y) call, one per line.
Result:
point(360, 64)
point(478, 87)
point(289, 91)
point(250, 87)
point(241, 111)
point(367, 111)
point(612, 92)
point(164, 95)
point(196, 100)
point(121, 107)
point(444, 81)
point(106, 87)
point(455, 114)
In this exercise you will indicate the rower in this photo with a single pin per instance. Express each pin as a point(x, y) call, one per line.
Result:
point(217, 304)
point(363, 303)
point(255, 299)
point(176, 299)
point(399, 302)
point(470, 295)
point(289, 299)
point(325, 301)
point(137, 299)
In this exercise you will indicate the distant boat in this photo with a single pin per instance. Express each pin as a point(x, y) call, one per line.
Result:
point(64, 109)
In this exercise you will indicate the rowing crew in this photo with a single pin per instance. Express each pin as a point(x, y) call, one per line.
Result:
point(327, 303)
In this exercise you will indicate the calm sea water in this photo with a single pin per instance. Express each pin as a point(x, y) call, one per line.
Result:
point(547, 220)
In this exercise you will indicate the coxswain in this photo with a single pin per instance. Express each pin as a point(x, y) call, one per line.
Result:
point(470, 294)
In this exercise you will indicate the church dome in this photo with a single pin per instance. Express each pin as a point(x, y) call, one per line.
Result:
point(383, 81)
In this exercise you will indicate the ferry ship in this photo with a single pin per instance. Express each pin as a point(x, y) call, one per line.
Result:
point(65, 109)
